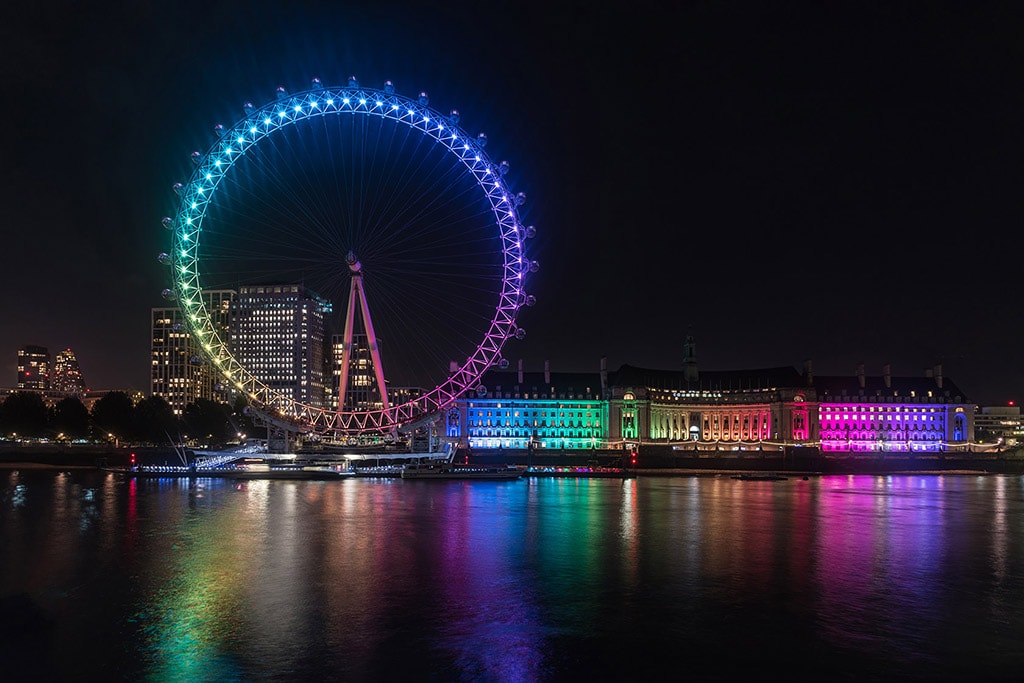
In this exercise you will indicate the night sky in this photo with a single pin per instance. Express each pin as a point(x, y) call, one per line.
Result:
point(838, 182)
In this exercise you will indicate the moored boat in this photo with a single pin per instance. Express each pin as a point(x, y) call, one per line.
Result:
point(448, 470)
point(759, 476)
point(243, 471)
point(264, 471)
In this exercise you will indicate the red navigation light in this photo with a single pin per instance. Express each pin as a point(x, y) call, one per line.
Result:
point(1010, 403)
point(133, 458)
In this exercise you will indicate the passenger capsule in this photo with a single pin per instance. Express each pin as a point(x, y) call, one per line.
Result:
point(389, 87)
point(317, 85)
point(454, 116)
point(281, 93)
point(481, 390)
point(353, 82)
point(503, 363)
point(164, 258)
point(424, 99)
point(248, 108)
point(530, 232)
point(168, 294)
point(218, 130)
point(176, 327)
point(531, 300)
point(167, 222)
point(534, 266)
point(503, 167)
point(177, 187)
point(481, 139)
point(195, 360)
point(520, 198)
point(520, 333)
point(197, 158)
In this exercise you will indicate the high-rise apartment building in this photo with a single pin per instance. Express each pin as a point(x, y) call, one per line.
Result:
point(34, 368)
point(67, 376)
point(179, 373)
point(279, 335)
point(362, 393)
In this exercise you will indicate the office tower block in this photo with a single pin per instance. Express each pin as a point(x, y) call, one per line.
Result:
point(34, 368)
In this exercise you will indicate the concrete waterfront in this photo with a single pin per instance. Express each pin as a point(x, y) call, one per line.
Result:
point(651, 460)
point(658, 460)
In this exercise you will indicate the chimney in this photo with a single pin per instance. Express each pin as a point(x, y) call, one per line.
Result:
point(520, 370)
point(547, 372)
point(860, 375)
point(808, 373)
point(887, 375)
point(604, 375)
point(938, 376)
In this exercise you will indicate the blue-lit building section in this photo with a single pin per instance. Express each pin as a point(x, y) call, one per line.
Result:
point(544, 424)
point(532, 410)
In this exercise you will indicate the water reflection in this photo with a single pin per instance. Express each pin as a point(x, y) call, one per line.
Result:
point(538, 579)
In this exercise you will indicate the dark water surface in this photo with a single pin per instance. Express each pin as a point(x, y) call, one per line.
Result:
point(104, 578)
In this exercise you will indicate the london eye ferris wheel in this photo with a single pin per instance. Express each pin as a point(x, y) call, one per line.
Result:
point(369, 198)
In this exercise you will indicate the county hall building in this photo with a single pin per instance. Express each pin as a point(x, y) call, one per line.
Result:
point(699, 410)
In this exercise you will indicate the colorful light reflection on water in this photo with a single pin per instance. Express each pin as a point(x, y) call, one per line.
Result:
point(545, 579)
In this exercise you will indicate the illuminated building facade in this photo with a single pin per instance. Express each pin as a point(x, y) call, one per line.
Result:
point(730, 410)
point(178, 372)
point(1001, 425)
point(886, 413)
point(34, 368)
point(278, 333)
point(532, 410)
point(724, 407)
point(67, 376)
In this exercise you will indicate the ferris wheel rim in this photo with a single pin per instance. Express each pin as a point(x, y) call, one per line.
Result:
point(259, 123)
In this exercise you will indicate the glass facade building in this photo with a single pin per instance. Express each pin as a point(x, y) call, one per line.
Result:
point(67, 376)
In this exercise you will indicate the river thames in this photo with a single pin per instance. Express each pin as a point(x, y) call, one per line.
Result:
point(899, 577)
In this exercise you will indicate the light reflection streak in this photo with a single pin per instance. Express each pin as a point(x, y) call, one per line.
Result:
point(494, 625)
point(1000, 531)
point(629, 534)
point(881, 546)
point(198, 605)
point(276, 594)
